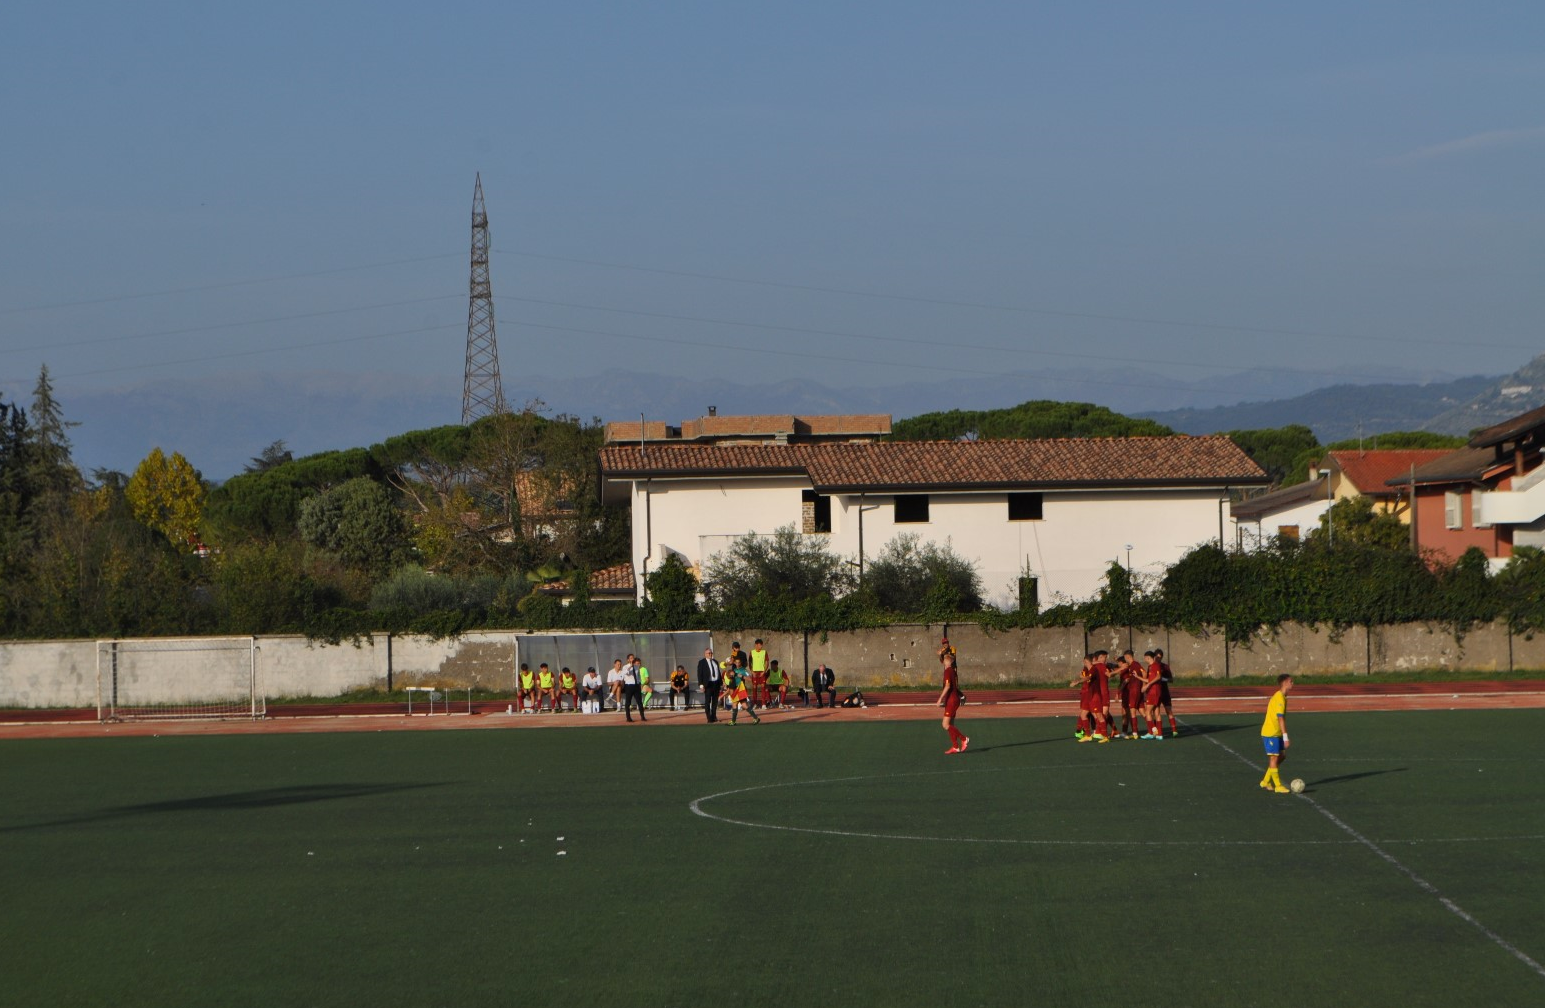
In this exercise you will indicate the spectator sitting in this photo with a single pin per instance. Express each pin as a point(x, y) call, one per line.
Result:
point(679, 688)
point(824, 684)
point(592, 698)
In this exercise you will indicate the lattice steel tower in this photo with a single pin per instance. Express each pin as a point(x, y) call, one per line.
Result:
point(482, 394)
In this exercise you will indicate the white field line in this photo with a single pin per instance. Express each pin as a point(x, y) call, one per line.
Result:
point(696, 807)
point(1395, 863)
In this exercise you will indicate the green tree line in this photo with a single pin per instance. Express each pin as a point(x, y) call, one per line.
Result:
point(456, 528)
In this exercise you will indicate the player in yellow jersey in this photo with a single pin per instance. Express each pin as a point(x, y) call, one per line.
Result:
point(567, 684)
point(546, 688)
point(1274, 735)
point(525, 689)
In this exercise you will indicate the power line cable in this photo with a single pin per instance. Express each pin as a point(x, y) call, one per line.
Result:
point(228, 325)
point(930, 367)
point(1023, 309)
point(224, 286)
point(939, 344)
point(255, 353)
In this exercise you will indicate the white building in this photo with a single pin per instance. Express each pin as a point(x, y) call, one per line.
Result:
point(1057, 510)
point(1289, 513)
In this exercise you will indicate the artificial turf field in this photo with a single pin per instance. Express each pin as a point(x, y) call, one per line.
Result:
point(425, 868)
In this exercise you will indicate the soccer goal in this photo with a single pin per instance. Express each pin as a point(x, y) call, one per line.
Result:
point(179, 677)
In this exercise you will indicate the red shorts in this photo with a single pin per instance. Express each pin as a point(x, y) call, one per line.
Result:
point(1132, 695)
point(1151, 696)
point(951, 704)
point(1084, 699)
point(1104, 697)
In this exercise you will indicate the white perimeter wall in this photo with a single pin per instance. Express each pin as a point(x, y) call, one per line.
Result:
point(1069, 549)
point(64, 673)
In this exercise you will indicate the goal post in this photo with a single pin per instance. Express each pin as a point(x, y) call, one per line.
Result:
point(179, 677)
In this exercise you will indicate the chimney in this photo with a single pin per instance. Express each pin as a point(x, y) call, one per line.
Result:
point(713, 411)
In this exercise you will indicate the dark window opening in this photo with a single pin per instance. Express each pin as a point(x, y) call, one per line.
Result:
point(1025, 507)
point(911, 508)
point(820, 512)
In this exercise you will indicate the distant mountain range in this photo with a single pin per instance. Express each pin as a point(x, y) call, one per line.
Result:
point(1340, 411)
point(219, 422)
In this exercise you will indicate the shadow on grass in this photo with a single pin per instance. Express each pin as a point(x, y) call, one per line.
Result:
point(1343, 778)
point(1011, 745)
point(1192, 728)
point(262, 798)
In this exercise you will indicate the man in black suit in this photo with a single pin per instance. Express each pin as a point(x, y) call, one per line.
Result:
point(825, 682)
point(709, 680)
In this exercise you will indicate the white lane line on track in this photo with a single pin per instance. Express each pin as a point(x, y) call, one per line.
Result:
point(1395, 863)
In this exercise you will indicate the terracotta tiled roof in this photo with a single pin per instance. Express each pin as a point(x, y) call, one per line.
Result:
point(903, 465)
point(615, 580)
point(1371, 471)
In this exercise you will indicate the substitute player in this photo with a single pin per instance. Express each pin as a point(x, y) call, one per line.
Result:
point(546, 688)
point(950, 698)
point(525, 689)
point(1274, 735)
point(777, 685)
point(567, 688)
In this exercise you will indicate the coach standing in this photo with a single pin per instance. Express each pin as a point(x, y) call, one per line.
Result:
point(709, 680)
point(633, 687)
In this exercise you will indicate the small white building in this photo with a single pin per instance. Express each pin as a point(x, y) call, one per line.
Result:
point(1056, 510)
point(1289, 513)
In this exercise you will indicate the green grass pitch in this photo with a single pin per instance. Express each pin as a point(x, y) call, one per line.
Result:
point(831, 864)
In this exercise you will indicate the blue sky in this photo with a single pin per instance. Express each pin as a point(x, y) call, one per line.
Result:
point(1154, 190)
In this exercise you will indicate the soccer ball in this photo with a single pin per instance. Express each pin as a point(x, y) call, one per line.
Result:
point(1297, 785)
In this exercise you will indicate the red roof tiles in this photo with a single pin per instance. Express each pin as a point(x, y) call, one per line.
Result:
point(895, 465)
point(1371, 471)
point(617, 579)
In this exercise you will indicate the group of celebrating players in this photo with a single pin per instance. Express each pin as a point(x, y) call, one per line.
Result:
point(1142, 687)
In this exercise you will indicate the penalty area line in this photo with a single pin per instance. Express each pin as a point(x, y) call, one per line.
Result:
point(1394, 862)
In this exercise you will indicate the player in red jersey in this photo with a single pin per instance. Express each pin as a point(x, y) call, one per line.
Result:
point(1151, 674)
point(1165, 678)
point(1127, 676)
point(950, 698)
point(1086, 674)
point(1106, 670)
point(1094, 698)
point(1131, 695)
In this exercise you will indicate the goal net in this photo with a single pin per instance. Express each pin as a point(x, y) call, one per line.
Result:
point(179, 677)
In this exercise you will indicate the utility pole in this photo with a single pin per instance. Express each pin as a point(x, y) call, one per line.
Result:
point(482, 393)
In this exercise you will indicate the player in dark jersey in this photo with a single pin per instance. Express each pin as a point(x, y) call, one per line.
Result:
point(950, 698)
point(1165, 678)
